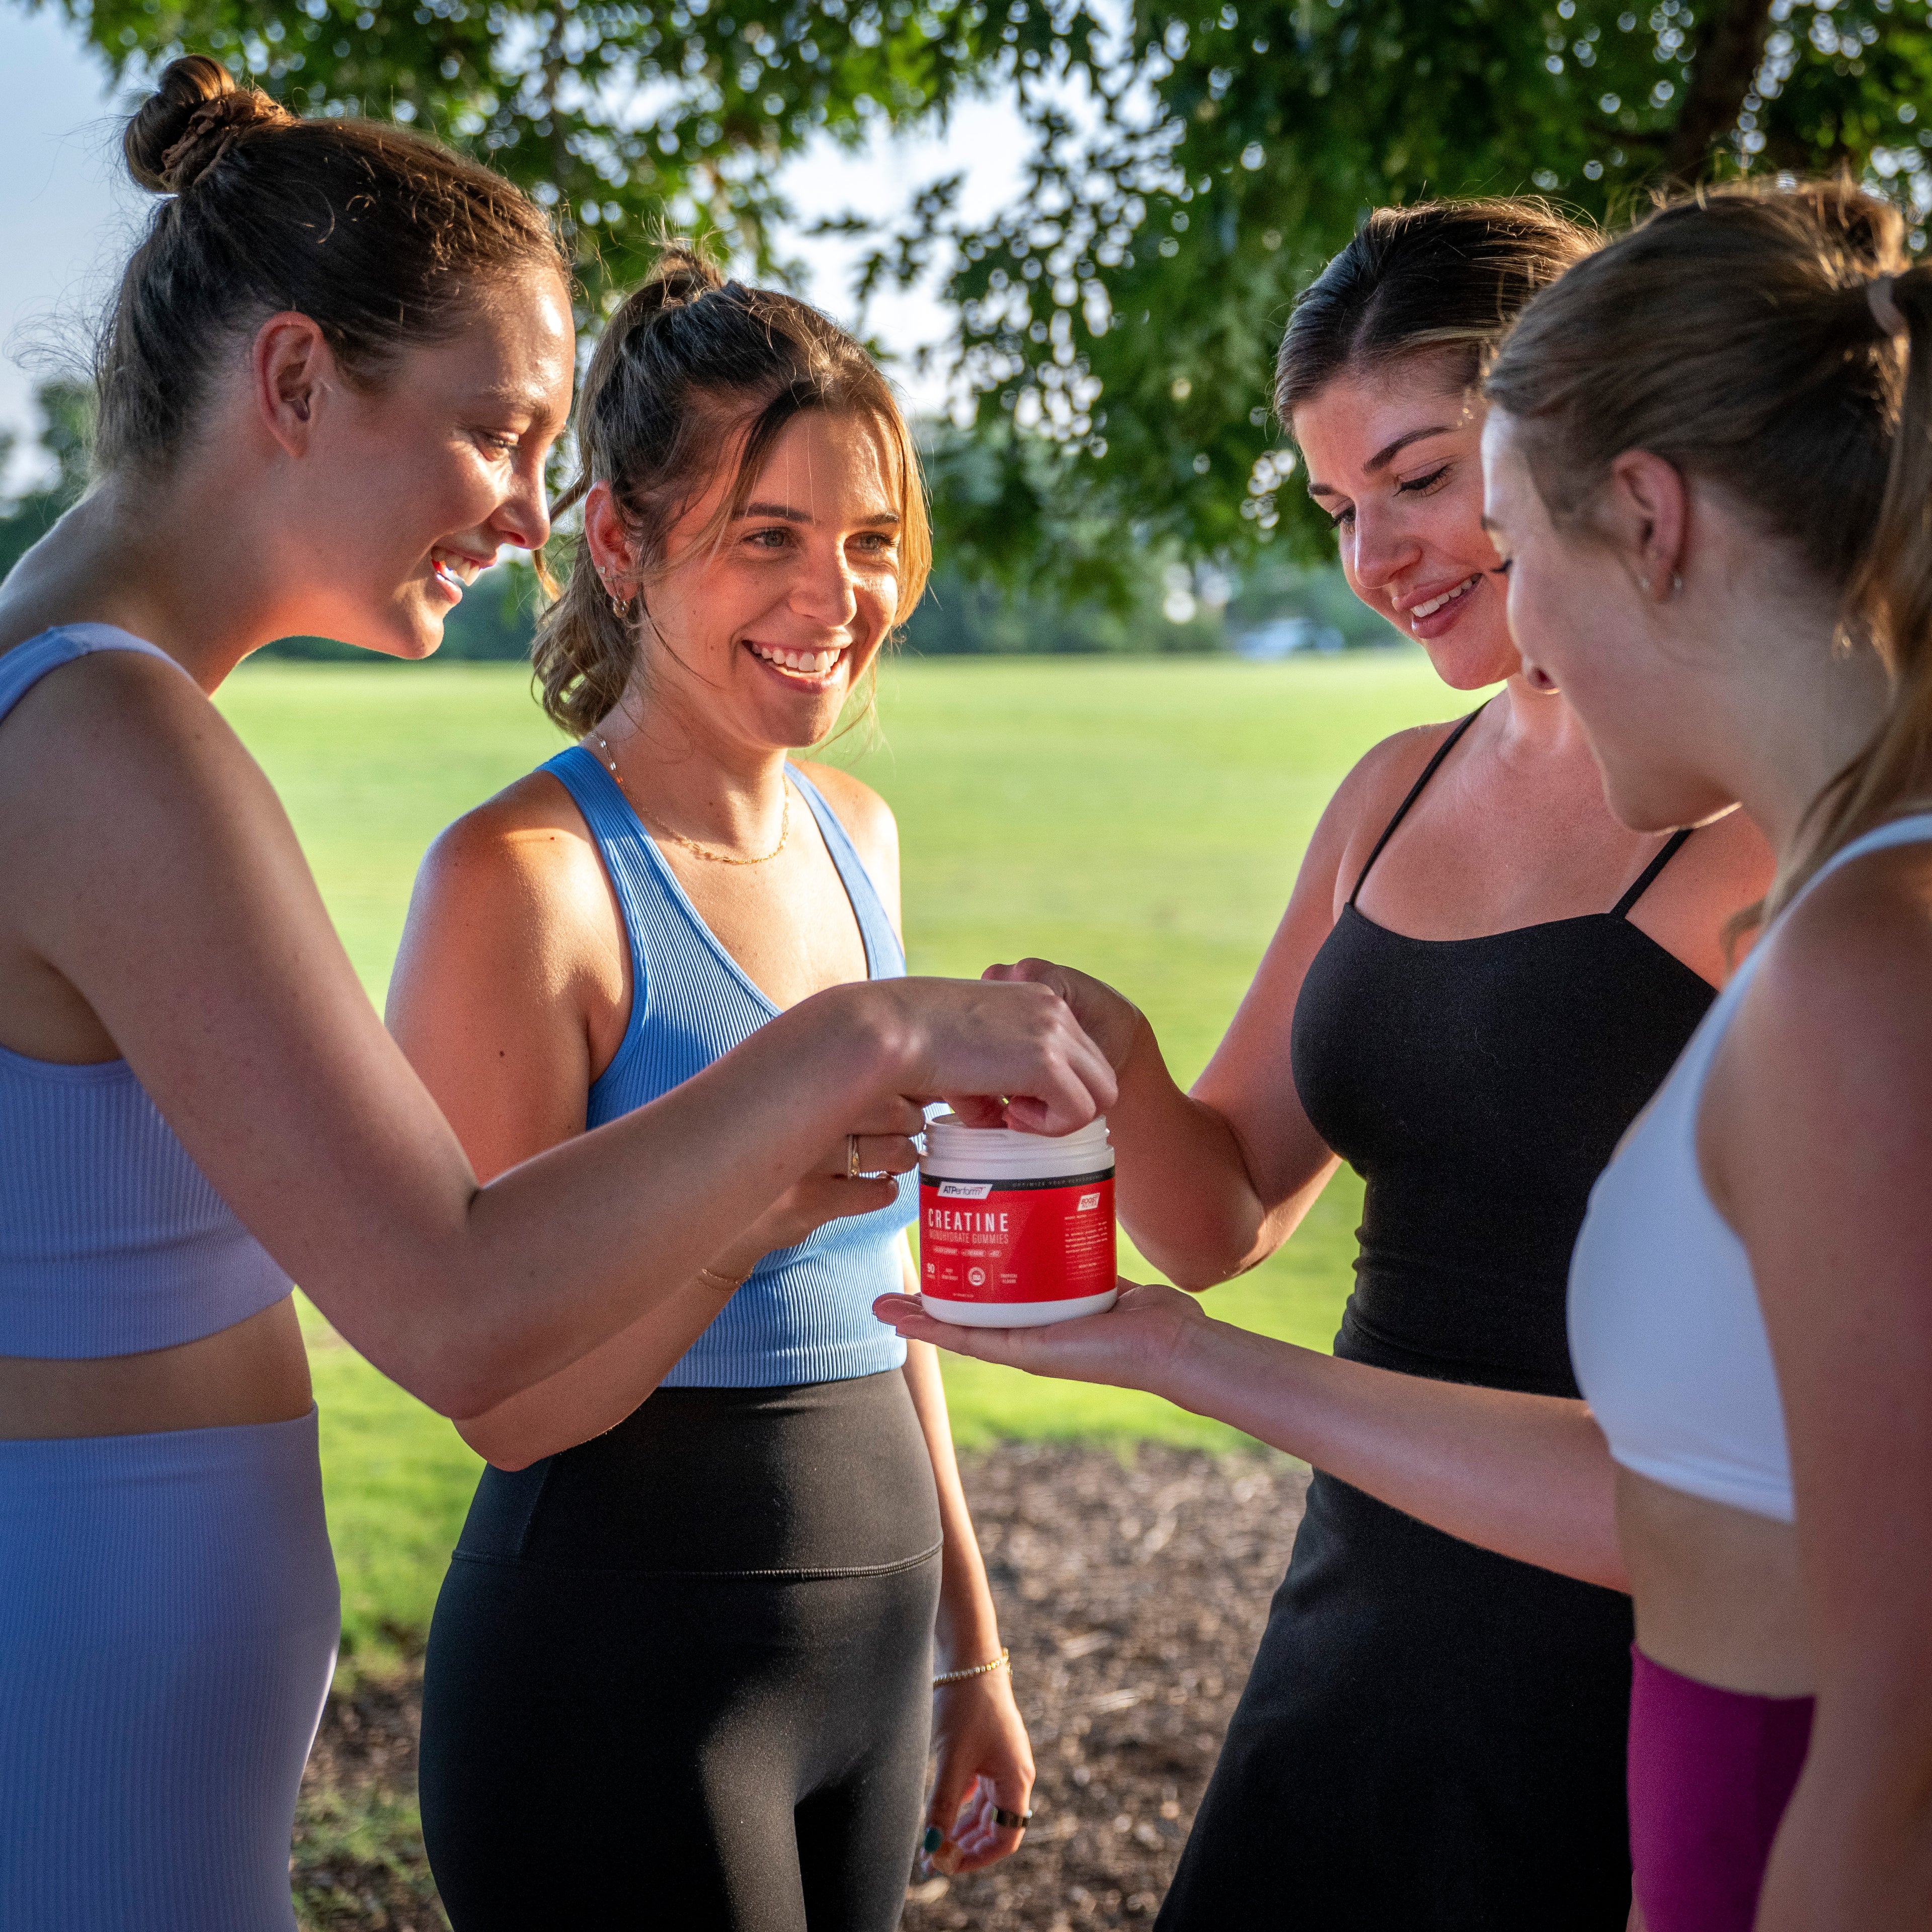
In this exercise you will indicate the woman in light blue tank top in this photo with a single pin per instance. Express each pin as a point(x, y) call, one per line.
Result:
point(687, 1640)
point(196, 1102)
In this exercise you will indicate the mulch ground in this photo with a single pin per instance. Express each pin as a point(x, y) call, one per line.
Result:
point(1131, 1594)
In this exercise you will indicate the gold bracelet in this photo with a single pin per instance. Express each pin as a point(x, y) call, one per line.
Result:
point(718, 1281)
point(1003, 1662)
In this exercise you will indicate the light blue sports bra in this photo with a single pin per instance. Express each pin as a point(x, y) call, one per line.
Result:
point(1666, 1332)
point(112, 1241)
point(805, 1314)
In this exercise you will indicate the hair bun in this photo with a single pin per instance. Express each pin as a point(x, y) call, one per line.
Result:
point(195, 115)
point(683, 273)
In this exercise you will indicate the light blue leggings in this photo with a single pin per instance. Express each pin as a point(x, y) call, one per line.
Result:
point(168, 1622)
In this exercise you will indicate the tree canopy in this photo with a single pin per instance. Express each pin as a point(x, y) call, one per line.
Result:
point(617, 115)
point(1125, 309)
point(1191, 167)
point(65, 410)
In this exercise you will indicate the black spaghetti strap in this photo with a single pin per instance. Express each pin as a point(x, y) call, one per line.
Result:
point(1442, 750)
point(1648, 877)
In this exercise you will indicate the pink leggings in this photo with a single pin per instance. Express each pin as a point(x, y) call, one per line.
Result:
point(1711, 1772)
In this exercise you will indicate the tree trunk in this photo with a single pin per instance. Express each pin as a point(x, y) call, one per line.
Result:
point(1730, 50)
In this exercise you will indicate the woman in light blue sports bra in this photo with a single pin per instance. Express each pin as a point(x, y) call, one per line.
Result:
point(1707, 466)
point(303, 425)
point(686, 1646)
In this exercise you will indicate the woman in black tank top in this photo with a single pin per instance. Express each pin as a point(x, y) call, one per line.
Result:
point(1480, 978)
point(1462, 1715)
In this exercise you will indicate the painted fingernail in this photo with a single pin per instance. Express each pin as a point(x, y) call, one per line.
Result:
point(934, 1838)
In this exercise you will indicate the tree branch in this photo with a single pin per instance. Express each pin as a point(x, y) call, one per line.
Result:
point(1730, 51)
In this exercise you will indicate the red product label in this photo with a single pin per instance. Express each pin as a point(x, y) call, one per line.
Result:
point(1006, 1240)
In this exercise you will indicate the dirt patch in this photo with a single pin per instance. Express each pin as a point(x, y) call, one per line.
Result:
point(1132, 1598)
point(1132, 1594)
point(358, 1858)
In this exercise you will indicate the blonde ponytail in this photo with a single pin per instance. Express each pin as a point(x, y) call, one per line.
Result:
point(1890, 601)
point(1735, 334)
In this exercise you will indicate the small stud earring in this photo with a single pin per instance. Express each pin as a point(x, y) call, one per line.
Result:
point(1676, 584)
point(1643, 583)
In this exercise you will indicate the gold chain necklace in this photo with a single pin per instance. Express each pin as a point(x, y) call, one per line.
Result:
point(691, 845)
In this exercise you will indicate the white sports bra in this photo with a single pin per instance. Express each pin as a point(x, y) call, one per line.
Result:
point(1665, 1333)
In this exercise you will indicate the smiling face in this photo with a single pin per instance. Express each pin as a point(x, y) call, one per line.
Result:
point(761, 629)
point(1394, 457)
point(1586, 622)
point(419, 480)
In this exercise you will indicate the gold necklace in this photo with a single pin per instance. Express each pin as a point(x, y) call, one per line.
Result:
point(691, 845)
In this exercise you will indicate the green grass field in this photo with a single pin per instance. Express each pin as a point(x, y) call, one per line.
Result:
point(1142, 819)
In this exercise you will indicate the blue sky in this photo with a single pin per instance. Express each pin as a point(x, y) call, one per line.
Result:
point(69, 213)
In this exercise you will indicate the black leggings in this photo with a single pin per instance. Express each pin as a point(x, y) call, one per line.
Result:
point(678, 1676)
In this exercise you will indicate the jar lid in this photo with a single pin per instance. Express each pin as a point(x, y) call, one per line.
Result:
point(994, 1151)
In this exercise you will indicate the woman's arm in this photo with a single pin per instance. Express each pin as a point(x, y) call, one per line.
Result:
point(1203, 1201)
point(1213, 1181)
point(978, 1735)
point(1816, 1140)
point(1527, 1476)
point(150, 868)
point(600, 1388)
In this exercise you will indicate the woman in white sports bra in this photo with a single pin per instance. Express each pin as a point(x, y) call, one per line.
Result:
point(1709, 468)
point(335, 367)
point(1708, 465)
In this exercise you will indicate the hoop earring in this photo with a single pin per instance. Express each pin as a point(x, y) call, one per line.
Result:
point(620, 607)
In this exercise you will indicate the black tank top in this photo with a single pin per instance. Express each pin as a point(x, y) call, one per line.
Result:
point(1479, 1087)
point(1431, 1738)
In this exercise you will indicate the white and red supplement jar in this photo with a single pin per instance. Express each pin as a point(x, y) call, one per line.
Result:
point(1016, 1230)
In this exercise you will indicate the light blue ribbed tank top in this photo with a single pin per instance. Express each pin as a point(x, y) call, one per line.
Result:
point(805, 1315)
point(112, 1241)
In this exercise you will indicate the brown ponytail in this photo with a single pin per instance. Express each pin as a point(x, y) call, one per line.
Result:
point(690, 365)
point(1734, 334)
point(382, 237)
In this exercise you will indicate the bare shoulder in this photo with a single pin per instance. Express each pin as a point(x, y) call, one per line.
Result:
point(1850, 970)
point(1727, 864)
point(1351, 823)
point(1830, 1041)
point(525, 852)
point(120, 756)
point(127, 703)
point(1368, 797)
point(1384, 772)
point(867, 818)
point(1721, 868)
point(1821, 1090)
point(125, 796)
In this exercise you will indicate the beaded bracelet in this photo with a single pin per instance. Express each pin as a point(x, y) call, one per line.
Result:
point(1003, 1662)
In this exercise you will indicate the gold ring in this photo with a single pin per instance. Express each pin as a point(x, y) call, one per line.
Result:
point(853, 1170)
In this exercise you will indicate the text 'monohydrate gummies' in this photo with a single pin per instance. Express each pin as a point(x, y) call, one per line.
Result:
point(1014, 1229)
